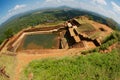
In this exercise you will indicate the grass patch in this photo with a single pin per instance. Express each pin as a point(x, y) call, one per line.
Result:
point(9, 63)
point(50, 24)
point(91, 67)
point(95, 35)
point(81, 21)
point(86, 27)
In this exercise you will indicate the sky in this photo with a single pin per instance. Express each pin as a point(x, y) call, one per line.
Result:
point(108, 8)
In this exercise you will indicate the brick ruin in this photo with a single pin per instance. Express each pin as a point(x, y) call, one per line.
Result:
point(77, 39)
point(69, 36)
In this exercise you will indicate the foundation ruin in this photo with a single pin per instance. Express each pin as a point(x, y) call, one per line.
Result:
point(71, 35)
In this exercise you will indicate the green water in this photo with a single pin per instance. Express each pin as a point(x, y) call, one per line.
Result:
point(38, 41)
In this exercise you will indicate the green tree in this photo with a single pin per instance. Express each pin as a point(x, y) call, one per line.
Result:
point(8, 33)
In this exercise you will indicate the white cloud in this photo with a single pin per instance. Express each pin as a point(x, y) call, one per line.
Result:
point(116, 7)
point(102, 2)
point(15, 10)
point(58, 1)
point(51, 3)
point(99, 6)
point(17, 7)
point(99, 9)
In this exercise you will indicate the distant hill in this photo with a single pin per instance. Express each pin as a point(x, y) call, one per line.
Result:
point(51, 15)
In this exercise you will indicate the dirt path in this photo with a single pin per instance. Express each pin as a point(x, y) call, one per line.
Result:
point(23, 58)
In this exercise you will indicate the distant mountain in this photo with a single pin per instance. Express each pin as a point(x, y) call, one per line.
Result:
point(65, 8)
point(40, 16)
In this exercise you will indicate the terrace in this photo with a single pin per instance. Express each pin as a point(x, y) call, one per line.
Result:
point(75, 33)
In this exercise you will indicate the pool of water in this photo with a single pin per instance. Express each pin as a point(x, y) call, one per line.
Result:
point(40, 41)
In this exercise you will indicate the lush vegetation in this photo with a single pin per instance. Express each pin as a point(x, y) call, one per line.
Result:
point(95, 66)
point(47, 16)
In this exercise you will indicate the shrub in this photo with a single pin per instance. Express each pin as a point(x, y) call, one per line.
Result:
point(8, 33)
point(91, 67)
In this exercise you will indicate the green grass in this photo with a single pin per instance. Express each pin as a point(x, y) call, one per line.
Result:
point(36, 41)
point(81, 21)
point(90, 67)
point(85, 27)
point(50, 24)
point(9, 63)
point(54, 24)
point(95, 35)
